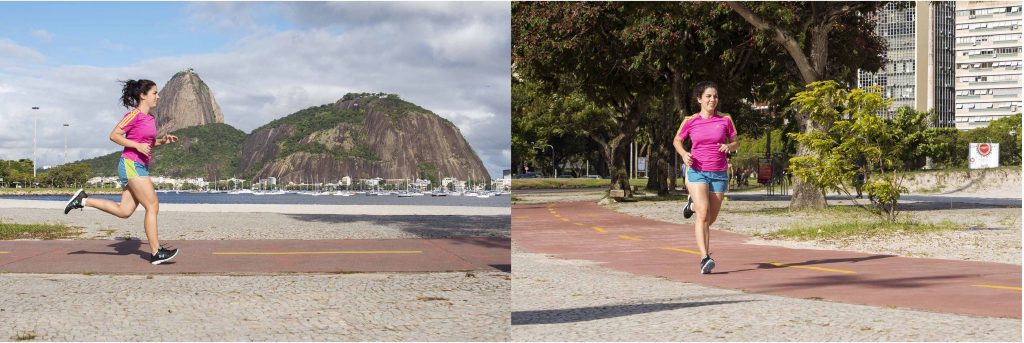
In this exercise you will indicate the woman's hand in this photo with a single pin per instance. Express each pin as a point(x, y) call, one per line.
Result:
point(143, 148)
point(687, 159)
point(167, 139)
point(723, 147)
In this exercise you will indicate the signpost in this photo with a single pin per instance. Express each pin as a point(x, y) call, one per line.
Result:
point(983, 155)
point(764, 170)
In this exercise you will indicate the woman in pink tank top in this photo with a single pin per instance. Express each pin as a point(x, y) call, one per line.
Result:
point(136, 132)
point(707, 177)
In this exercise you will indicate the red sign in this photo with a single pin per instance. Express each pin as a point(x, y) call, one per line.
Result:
point(764, 171)
point(984, 149)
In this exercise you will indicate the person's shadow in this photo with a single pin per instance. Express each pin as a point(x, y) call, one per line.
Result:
point(122, 248)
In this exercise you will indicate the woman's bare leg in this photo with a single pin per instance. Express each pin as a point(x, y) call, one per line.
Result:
point(123, 209)
point(699, 194)
point(142, 189)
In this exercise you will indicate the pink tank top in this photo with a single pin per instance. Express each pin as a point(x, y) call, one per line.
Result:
point(706, 134)
point(138, 127)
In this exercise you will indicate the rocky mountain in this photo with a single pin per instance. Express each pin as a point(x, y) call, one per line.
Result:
point(361, 136)
point(186, 101)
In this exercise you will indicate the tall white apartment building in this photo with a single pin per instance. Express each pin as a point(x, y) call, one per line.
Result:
point(919, 68)
point(988, 62)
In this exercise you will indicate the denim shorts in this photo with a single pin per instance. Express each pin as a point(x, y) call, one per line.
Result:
point(717, 181)
point(128, 169)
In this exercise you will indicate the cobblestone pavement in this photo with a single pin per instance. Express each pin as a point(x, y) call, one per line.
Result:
point(238, 225)
point(571, 300)
point(290, 307)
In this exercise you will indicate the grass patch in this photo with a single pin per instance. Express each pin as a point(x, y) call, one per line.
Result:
point(552, 183)
point(858, 229)
point(28, 336)
point(9, 231)
point(431, 299)
point(657, 198)
point(834, 210)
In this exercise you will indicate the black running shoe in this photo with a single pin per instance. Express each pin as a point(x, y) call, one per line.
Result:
point(688, 209)
point(706, 265)
point(76, 201)
point(163, 255)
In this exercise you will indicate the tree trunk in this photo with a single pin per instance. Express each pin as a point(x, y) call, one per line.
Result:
point(805, 195)
point(618, 164)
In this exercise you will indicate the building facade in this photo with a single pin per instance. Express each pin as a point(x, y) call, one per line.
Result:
point(988, 62)
point(919, 70)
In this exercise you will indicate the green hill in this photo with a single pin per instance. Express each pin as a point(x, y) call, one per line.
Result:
point(209, 151)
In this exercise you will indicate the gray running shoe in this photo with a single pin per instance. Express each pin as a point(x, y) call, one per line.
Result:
point(76, 201)
point(688, 209)
point(706, 265)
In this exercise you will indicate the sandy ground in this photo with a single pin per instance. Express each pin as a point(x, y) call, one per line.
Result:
point(469, 306)
point(988, 208)
point(572, 300)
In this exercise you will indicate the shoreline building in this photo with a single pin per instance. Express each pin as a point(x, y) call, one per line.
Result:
point(919, 69)
point(988, 62)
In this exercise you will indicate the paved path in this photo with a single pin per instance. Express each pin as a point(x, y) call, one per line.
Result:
point(362, 210)
point(586, 231)
point(259, 256)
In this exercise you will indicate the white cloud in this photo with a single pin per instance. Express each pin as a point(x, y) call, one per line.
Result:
point(43, 35)
point(452, 59)
point(12, 53)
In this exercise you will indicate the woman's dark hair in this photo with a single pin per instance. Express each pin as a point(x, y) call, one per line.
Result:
point(133, 90)
point(701, 87)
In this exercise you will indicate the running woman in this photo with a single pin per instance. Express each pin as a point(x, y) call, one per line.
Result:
point(707, 177)
point(137, 133)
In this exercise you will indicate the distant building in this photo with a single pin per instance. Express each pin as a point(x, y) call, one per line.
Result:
point(919, 58)
point(988, 62)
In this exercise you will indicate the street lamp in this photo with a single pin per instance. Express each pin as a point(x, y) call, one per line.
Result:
point(66, 143)
point(554, 168)
point(35, 123)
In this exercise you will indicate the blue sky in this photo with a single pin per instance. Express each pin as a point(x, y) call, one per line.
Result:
point(263, 60)
point(105, 34)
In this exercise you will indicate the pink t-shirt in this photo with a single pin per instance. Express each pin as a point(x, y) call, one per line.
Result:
point(706, 134)
point(138, 127)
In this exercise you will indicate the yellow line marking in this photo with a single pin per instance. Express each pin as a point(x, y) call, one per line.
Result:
point(559, 216)
point(578, 224)
point(520, 217)
point(321, 252)
point(564, 219)
point(998, 287)
point(683, 250)
point(629, 238)
point(814, 268)
point(601, 230)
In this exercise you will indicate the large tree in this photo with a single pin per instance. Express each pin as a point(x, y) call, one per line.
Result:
point(576, 48)
point(824, 40)
point(640, 61)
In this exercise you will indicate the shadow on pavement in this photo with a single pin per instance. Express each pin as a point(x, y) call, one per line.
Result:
point(424, 226)
point(832, 280)
point(830, 260)
point(582, 314)
point(121, 248)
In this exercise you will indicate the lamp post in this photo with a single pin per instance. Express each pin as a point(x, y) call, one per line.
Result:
point(1013, 137)
point(66, 143)
point(554, 167)
point(35, 123)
